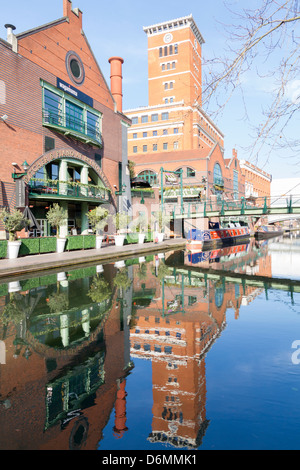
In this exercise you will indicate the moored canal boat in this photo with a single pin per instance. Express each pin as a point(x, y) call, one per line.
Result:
point(268, 231)
point(200, 239)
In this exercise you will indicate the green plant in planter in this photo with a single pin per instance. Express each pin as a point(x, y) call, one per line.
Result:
point(13, 310)
point(13, 222)
point(140, 224)
point(99, 290)
point(56, 217)
point(98, 218)
point(162, 219)
point(120, 220)
point(121, 279)
point(58, 302)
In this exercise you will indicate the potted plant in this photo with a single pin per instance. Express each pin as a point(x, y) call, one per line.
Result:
point(98, 220)
point(56, 217)
point(13, 223)
point(140, 227)
point(162, 220)
point(120, 220)
point(99, 290)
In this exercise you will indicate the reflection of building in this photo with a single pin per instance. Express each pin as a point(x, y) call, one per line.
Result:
point(64, 132)
point(64, 369)
point(175, 330)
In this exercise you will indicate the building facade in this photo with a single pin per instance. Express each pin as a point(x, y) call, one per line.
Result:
point(63, 134)
point(173, 132)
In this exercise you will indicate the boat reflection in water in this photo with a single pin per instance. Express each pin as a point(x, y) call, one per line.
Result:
point(69, 343)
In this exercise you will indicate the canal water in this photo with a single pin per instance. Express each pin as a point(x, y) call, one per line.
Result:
point(172, 351)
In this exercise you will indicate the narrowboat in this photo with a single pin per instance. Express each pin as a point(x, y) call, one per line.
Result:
point(268, 231)
point(215, 236)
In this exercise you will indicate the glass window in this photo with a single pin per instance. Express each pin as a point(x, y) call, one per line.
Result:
point(175, 145)
point(52, 107)
point(144, 118)
point(176, 130)
point(144, 148)
point(164, 116)
point(135, 149)
point(154, 133)
point(176, 49)
point(160, 52)
point(74, 117)
point(135, 120)
point(154, 117)
point(166, 86)
point(218, 174)
point(165, 132)
point(149, 176)
point(171, 49)
point(163, 67)
point(144, 134)
point(134, 135)
point(173, 65)
point(92, 125)
point(165, 145)
point(171, 84)
point(154, 147)
point(166, 50)
point(190, 173)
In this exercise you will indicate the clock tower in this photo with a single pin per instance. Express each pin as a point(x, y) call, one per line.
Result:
point(174, 62)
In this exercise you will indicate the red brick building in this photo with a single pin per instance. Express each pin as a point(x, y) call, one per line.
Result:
point(62, 131)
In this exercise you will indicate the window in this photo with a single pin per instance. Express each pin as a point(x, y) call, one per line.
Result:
point(49, 143)
point(173, 65)
point(165, 132)
point(190, 173)
point(166, 50)
point(154, 117)
point(175, 145)
point(165, 145)
point(62, 111)
point(176, 130)
point(154, 147)
point(166, 86)
point(149, 176)
point(176, 49)
point(164, 116)
point(134, 135)
point(171, 85)
point(144, 134)
point(134, 149)
point(154, 133)
point(98, 159)
point(218, 180)
point(160, 52)
point(163, 67)
point(135, 120)
point(144, 148)
point(171, 49)
point(144, 119)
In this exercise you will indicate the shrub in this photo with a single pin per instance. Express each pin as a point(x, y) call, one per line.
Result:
point(13, 222)
point(56, 217)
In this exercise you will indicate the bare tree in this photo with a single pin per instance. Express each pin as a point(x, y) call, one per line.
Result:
point(264, 41)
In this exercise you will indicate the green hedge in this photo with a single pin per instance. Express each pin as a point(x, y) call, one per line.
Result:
point(80, 242)
point(3, 248)
point(32, 246)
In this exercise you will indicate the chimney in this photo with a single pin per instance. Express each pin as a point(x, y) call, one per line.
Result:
point(116, 80)
point(11, 38)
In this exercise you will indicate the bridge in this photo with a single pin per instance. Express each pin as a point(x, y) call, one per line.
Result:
point(221, 207)
point(197, 277)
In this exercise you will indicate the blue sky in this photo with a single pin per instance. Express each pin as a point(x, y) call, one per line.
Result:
point(116, 28)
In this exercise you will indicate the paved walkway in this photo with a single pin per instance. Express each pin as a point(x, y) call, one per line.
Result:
point(36, 263)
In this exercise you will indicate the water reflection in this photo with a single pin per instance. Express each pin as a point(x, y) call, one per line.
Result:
point(69, 342)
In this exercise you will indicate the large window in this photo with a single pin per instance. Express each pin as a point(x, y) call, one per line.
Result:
point(65, 113)
point(149, 176)
point(218, 179)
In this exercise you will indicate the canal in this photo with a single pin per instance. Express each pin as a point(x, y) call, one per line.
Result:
point(174, 351)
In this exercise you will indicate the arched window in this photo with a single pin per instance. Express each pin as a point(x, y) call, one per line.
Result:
point(190, 172)
point(149, 176)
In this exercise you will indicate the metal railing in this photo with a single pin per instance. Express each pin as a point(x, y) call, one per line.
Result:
point(72, 124)
point(65, 189)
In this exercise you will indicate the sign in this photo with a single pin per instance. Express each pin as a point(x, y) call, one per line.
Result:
point(186, 192)
point(171, 178)
point(20, 193)
point(79, 95)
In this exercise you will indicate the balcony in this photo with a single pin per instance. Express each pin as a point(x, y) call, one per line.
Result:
point(41, 189)
point(72, 126)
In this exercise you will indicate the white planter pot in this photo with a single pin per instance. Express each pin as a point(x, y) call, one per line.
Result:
point(141, 237)
point(99, 268)
point(142, 259)
point(14, 286)
point(159, 236)
point(60, 245)
point(13, 249)
point(99, 239)
point(120, 264)
point(119, 240)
